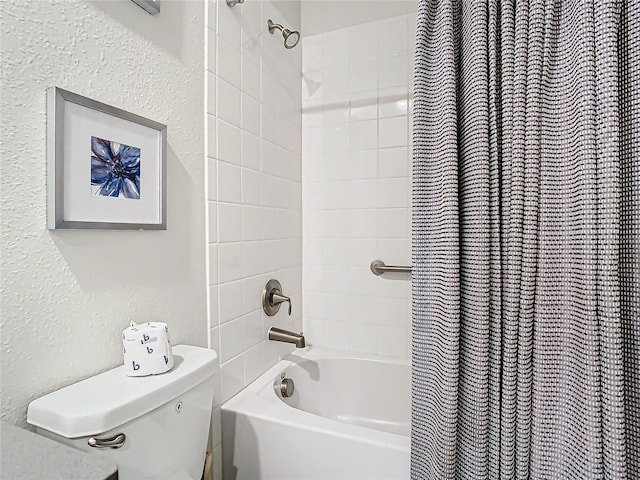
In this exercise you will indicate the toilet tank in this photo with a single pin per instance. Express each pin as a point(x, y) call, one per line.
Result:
point(165, 418)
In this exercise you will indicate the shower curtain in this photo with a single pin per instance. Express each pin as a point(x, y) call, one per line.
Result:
point(526, 240)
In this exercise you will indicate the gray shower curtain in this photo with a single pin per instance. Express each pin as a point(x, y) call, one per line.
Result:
point(526, 240)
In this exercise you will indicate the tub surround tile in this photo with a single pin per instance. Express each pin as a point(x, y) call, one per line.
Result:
point(229, 143)
point(229, 21)
point(231, 339)
point(229, 183)
point(214, 341)
point(393, 101)
point(393, 132)
point(212, 15)
point(212, 142)
point(211, 54)
point(362, 340)
point(212, 222)
point(360, 41)
point(334, 334)
point(252, 223)
point(251, 187)
point(254, 173)
point(392, 193)
point(252, 292)
point(393, 71)
point(229, 295)
point(250, 148)
point(354, 181)
point(252, 329)
point(392, 162)
point(211, 92)
point(232, 377)
point(356, 178)
point(229, 222)
point(363, 135)
point(250, 82)
point(362, 165)
point(335, 48)
point(363, 75)
point(392, 36)
point(213, 263)
point(228, 61)
point(393, 222)
point(363, 105)
point(392, 342)
point(214, 317)
point(250, 114)
point(255, 358)
point(229, 102)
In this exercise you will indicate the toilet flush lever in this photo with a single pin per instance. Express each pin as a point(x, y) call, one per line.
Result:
point(113, 442)
point(272, 297)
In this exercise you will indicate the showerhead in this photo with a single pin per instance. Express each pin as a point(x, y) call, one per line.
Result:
point(291, 37)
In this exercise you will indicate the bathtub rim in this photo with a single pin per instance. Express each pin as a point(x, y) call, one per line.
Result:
point(259, 400)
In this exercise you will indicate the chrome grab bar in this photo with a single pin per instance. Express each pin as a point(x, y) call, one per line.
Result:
point(116, 441)
point(378, 267)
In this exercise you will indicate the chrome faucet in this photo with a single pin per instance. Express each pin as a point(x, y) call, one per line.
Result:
point(279, 335)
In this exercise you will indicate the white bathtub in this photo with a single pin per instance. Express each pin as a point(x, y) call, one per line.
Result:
point(348, 418)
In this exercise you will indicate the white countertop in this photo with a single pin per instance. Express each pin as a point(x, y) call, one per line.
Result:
point(26, 455)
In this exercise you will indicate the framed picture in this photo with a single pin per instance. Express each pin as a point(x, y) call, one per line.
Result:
point(106, 168)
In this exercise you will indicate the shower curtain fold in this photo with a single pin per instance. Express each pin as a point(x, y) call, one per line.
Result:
point(525, 240)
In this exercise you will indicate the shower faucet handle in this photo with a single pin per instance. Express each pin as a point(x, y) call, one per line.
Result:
point(272, 297)
point(277, 299)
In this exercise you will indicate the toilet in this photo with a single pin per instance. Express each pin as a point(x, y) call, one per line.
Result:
point(153, 427)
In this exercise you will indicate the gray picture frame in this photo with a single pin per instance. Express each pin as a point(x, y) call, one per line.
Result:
point(150, 6)
point(57, 100)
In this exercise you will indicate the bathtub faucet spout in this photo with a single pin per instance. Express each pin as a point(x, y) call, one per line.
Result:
point(280, 335)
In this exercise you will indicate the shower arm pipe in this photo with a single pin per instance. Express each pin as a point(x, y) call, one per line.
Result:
point(233, 3)
point(378, 267)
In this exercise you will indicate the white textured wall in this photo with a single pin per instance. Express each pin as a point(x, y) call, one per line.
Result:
point(254, 187)
point(357, 91)
point(68, 294)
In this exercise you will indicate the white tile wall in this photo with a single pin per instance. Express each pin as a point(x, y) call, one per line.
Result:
point(254, 130)
point(356, 185)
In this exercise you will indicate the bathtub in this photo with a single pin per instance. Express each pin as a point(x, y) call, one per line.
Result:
point(347, 418)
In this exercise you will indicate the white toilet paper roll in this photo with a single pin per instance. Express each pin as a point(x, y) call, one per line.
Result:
point(147, 349)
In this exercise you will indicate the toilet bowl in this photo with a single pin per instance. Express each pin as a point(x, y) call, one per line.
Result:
point(153, 427)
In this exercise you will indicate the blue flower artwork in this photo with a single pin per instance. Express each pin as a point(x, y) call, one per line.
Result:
point(115, 169)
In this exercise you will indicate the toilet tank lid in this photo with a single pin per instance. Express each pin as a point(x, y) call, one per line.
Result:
point(110, 399)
